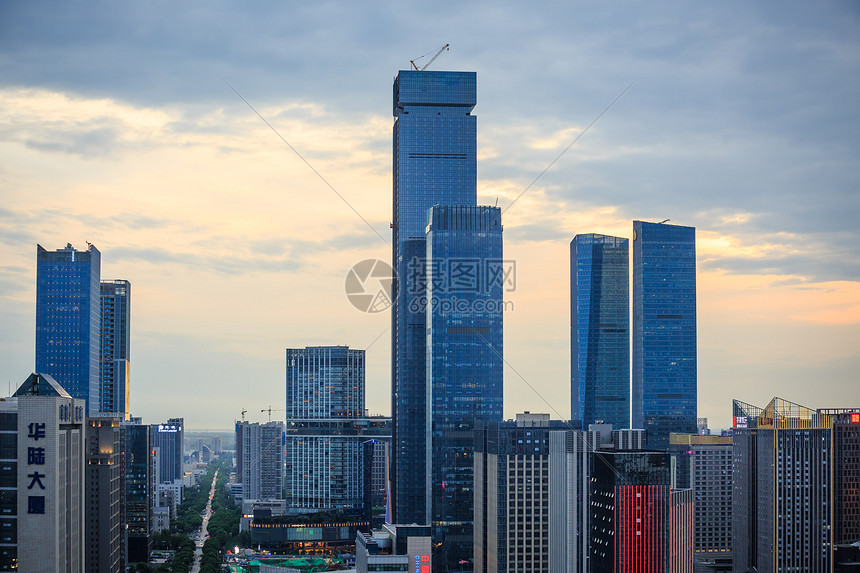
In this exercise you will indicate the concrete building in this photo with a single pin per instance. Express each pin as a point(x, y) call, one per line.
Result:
point(394, 548)
point(704, 463)
point(571, 464)
point(50, 477)
point(262, 447)
point(783, 490)
point(533, 486)
point(681, 531)
point(105, 496)
point(511, 496)
point(846, 475)
point(8, 484)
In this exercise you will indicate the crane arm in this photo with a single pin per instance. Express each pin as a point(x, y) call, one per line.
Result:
point(433, 59)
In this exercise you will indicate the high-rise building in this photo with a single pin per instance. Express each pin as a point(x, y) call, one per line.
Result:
point(783, 491)
point(631, 511)
point(435, 163)
point(846, 474)
point(681, 531)
point(599, 330)
point(533, 490)
point(664, 331)
point(262, 447)
point(704, 464)
point(114, 356)
point(139, 489)
point(512, 494)
point(326, 426)
point(68, 319)
point(8, 484)
point(50, 477)
point(105, 495)
point(570, 463)
point(464, 359)
point(167, 438)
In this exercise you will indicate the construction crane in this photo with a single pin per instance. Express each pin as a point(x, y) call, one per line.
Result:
point(433, 59)
point(244, 411)
point(270, 410)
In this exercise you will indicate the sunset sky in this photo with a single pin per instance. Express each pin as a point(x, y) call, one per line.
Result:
point(118, 127)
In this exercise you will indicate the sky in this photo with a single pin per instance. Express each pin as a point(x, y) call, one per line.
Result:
point(119, 126)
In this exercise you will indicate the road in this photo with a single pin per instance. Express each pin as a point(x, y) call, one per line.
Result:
point(201, 537)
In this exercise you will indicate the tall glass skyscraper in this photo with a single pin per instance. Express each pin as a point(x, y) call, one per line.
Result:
point(114, 364)
point(323, 447)
point(435, 163)
point(68, 319)
point(599, 330)
point(465, 281)
point(664, 331)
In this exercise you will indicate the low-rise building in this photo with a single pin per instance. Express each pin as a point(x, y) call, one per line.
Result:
point(394, 548)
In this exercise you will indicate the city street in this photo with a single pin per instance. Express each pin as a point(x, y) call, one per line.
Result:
point(201, 536)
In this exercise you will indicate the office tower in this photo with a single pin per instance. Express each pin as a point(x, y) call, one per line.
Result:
point(326, 426)
point(704, 464)
point(139, 488)
point(681, 533)
point(599, 331)
point(239, 440)
point(262, 447)
point(50, 477)
point(512, 494)
point(532, 492)
point(114, 365)
point(68, 319)
point(846, 474)
point(783, 494)
point(664, 331)
point(168, 439)
point(105, 531)
point(570, 464)
point(464, 359)
point(8, 484)
point(376, 455)
point(631, 511)
point(435, 163)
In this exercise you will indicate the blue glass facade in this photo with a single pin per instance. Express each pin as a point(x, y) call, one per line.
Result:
point(435, 162)
point(68, 319)
point(464, 308)
point(664, 331)
point(114, 356)
point(599, 330)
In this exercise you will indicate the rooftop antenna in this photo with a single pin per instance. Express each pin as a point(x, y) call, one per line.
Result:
point(433, 59)
point(664, 221)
